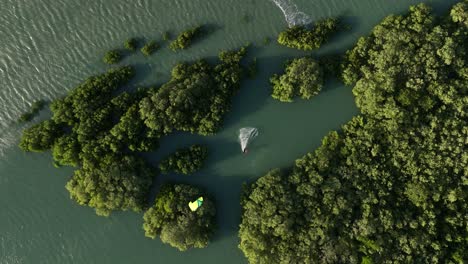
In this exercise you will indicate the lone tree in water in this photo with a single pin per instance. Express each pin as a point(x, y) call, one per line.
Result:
point(185, 161)
point(112, 57)
point(303, 77)
point(175, 223)
point(300, 37)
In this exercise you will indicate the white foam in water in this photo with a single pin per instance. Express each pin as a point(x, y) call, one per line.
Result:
point(291, 13)
point(246, 135)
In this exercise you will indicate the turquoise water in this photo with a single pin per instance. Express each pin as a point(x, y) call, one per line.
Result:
point(48, 47)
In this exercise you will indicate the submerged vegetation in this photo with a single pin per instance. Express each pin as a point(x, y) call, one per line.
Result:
point(300, 37)
point(392, 186)
point(36, 107)
point(303, 77)
point(185, 161)
point(184, 39)
point(171, 219)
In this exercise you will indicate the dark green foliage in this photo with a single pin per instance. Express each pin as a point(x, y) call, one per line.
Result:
point(392, 187)
point(185, 38)
point(40, 137)
point(303, 77)
point(171, 219)
point(66, 150)
point(149, 48)
point(94, 130)
point(99, 131)
point(185, 161)
point(417, 64)
point(459, 13)
point(112, 57)
point(131, 44)
point(196, 98)
point(132, 133)
point(115, 183)
point(266, 41)
point(89, 102)
point(299, 37)
point(35, 108)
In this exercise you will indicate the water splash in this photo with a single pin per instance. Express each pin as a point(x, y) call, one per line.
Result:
point(291, 13)
point(246, 135)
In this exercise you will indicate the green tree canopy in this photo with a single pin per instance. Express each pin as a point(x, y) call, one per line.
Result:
point(98, 129)
point(184, 39)
point(196, 98)
point(149, 48)
point(303, 77)
point(40, 137)
point(459, 13)
point(131, 44)
point(115, 183)
point(185, 160)
point(171, 219)
point(300, 37)
point(392, 186)
point(112, 57)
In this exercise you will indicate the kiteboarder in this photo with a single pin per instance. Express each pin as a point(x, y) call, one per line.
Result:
point(246, 134)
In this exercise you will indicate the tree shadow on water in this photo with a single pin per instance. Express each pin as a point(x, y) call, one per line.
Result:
point(142, 71)
point(254, 93)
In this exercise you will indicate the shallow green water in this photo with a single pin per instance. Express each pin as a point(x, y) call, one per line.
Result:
point(48, 46)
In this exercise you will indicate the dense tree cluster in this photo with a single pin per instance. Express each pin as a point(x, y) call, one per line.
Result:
point(35, 108)
point(392, 187)
point(40, 137)
point(196, 98)
point(99, 129)
point(113, 183)
point(459, 13)
point(300, 37)
point(149, 48)
point(112, 57)
point(185, 161)
point(303, 77)
point(89, 129)
point(185, 38)
point(171, 219)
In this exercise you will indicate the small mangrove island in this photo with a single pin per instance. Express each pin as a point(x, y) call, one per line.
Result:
point(303, 77)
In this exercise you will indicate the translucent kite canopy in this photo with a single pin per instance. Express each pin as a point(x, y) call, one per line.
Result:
point(246, 135)
point(195, 204)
